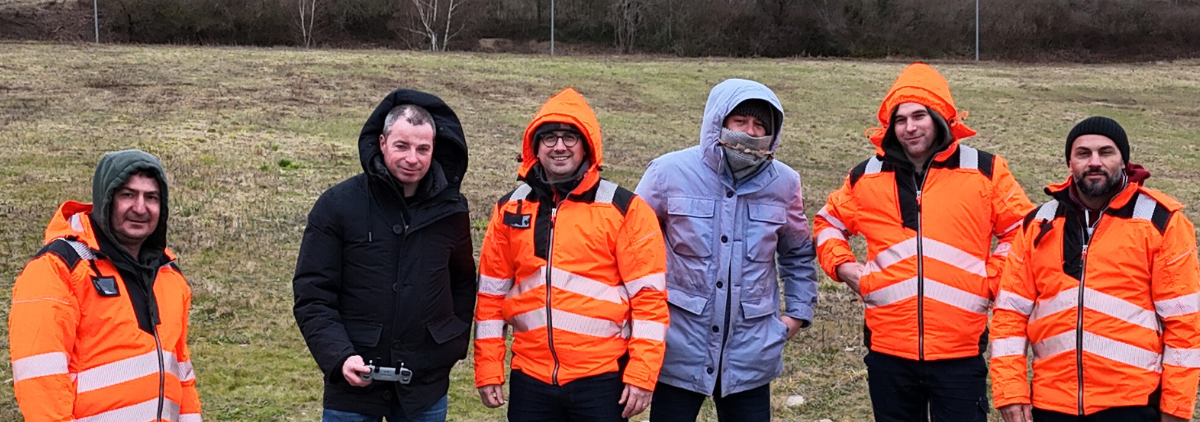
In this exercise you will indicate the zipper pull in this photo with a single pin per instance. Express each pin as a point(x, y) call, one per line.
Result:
point(553, 215)
point(918, 197)
point(1083, 254)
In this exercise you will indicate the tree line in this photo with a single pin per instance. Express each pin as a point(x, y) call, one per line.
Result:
point(1010, 29)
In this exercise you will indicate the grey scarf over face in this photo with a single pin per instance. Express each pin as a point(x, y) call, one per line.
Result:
point(743, 164)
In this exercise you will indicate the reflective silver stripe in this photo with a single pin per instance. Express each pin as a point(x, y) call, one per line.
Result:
point(605, 190)
point(125, 370)
point(144, 411)
point(824, 213)
point(1100, 346)
point(648, 330)
point(891, 294)
point(968, 157)
point(830, 233)
point(45, 364)
point(1014, 226)
point(656, 281)
point(494, 286)
point(956, 297)
point(76, 224)
point(190, 417)
point(1046, 211)
point(1183, 305)
point(492, 328)
point(1014, 302)
point(1097, 302)
point(1144, 207)
point(82, 249)
point(520, 193)
point(932, 249)
point(874, 165)
point(574, 283)
point(566, 321)
point(1009, 346)
point(186, 371)
point(1002, 249)
point(1187, 358)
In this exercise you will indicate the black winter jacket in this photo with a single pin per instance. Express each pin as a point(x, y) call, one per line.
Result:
point(389, 281)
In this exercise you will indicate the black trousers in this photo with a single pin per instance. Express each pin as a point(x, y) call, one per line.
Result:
point(591, 399)
point(1116, 414)
point(674, 404)
point(950, 390)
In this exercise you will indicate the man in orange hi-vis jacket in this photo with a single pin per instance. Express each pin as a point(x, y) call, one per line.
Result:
point(1103, 284)
point(575, 265)
point(98, 327)
point(929, 208)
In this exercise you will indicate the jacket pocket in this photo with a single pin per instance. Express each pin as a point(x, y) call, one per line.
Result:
point(363, 334)
point(762, 226)
point(450, 334)
point(693, 304)
point(690, 225)
point(759, 307)
point(447, 329)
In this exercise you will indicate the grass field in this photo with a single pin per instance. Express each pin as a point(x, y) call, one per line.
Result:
point(250, 137)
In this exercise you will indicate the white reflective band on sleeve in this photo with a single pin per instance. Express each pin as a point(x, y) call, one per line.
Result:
point(874, 165)
point(1099, 302)
point(520, 193)
point(186, 372)
point(824, 213)
point(190, 417)
point(1187, 358)
point(1046, 211)
point(1183, 305)
point(494, 286)
point(1010, 346)
point(955, 297)
point(605, 190)
point(566, 321)
point(1002, 249)
point(45, 364)
point(574, 283)
point(932, 249)
point(1100, 346)
point(1014, 302)
point(493, 328)
point(968, 157)
point(144, 411)
point(125, 370)
point(1014, 226)
point(891, 294)
point(649, 330)
point(830, 233)
point(1144, 207)
point(657, 281)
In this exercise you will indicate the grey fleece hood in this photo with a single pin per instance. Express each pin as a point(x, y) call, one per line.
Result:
point(114, 170)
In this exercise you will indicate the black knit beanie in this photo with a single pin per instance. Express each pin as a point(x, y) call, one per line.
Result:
point(758, 109)
point(1102, 126)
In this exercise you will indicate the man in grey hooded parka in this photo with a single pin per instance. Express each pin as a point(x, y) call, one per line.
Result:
point(734, 222)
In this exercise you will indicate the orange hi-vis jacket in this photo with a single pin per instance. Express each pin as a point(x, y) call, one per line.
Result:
point(1111, 317)
point(932, 270)
point(581, 280)
point(78, 353)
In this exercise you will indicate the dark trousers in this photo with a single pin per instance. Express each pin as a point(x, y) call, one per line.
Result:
point(673, 404)
point(1115, 414)
point(590, 399)
point(950, 390)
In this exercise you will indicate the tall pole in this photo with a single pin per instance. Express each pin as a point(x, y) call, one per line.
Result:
point(976, 30)
point(96, 19)
point(552, 27)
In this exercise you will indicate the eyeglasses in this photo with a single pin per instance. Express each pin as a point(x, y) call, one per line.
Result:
point(569, 139)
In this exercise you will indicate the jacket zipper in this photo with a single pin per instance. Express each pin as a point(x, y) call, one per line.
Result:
point(1087, 241)
point(161, 374)
point(920, 270)
point(549, 309)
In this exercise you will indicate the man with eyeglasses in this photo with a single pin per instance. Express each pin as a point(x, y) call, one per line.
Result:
point(734, 218)
point(575, 265)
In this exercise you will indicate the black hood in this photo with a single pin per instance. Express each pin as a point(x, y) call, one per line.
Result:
point(895, 152)
point(114, 170)
point(449, 145)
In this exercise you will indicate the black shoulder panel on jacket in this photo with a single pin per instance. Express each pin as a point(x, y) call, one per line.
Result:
point(1029, 216)
point(63, 251)
point(175, 266)
point(504, 199)
point(857, 172)
point(1161, 217)
point(987, 163)
point(622, 198)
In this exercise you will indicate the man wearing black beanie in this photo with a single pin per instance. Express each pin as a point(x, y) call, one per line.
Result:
point(1104, 276)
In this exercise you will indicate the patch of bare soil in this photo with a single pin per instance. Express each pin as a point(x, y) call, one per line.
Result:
point(60, 21)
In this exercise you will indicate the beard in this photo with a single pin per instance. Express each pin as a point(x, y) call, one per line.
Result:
point(1097, 189)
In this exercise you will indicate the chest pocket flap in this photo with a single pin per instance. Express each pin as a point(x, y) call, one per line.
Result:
point(690, 225)
point(762, 231)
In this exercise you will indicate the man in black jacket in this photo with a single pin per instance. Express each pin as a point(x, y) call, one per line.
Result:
point(385, 274)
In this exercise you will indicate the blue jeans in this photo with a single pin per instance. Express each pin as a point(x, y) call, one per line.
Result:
point(435, 413)
point(590, 399)
point(674, 404)
point(905, 390)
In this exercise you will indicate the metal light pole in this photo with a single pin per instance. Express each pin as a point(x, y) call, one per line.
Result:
point(976, 30)
point(552, 27)
point(96, 19)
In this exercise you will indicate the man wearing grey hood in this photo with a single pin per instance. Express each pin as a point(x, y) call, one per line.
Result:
point(98, 327)
point(734, 222)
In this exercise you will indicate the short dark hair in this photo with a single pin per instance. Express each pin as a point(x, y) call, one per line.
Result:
point(414, 114)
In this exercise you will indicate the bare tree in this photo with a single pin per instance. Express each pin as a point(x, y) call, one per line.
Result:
point(627, 17)
point(429, 16)
point(308, 14)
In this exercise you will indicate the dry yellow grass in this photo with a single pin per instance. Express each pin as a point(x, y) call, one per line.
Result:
point(224, 120)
